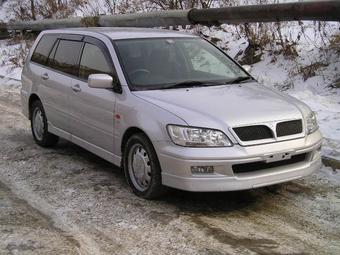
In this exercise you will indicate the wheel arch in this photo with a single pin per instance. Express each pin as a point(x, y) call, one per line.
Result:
point(33, 98)
point(130, 132)
point(154, 187)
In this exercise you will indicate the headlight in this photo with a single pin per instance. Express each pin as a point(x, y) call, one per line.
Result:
point(197, 137)
point(312, 124)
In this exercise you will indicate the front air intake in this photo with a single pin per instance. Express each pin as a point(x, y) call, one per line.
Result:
point(289, 128)
point(251, 133)
point(262, 165)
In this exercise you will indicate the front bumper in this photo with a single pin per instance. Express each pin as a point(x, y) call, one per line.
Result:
point(176, 163)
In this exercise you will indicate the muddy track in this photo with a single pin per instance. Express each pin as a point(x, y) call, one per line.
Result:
point(72, 202)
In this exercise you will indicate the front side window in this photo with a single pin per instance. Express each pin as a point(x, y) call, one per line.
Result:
point(93, 61)
point(43, 49)
point(160, 63)
point(66, 57)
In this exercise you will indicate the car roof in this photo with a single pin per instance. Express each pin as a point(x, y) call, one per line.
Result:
point(117, 33)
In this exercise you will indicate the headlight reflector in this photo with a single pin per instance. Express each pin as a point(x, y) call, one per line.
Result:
point(198, 137)
point(312, 124)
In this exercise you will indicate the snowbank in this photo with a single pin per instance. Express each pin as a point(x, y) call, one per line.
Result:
point(285, 74)
point(10, 59)
point(279, 72)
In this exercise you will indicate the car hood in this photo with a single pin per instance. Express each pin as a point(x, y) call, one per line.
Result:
point(231, 105)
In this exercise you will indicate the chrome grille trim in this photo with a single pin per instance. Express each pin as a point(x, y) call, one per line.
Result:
point(295, 130)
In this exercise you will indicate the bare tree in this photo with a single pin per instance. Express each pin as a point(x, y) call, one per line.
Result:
point(33, 9)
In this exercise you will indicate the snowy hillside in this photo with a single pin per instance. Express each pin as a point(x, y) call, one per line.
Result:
point(317, 88)
point(311, 74)
point(66, 200)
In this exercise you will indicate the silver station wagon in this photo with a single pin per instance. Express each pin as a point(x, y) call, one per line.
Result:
point(170, 108)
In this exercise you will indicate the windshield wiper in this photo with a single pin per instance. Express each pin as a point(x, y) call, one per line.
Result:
point(239, 80)
point(192, 83)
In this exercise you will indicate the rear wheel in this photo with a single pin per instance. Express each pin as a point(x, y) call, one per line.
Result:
point(39, 126)
point(141, 167)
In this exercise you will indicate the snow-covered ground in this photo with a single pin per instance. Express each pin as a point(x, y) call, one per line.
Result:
point(65, 200)
point(276, 72)
point(283, 74)
point(9, 57)
point(315, 92)
point(5, 15)
point(76, 203)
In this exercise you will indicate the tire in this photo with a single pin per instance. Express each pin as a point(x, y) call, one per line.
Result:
point(140, 162)
point(39, 126)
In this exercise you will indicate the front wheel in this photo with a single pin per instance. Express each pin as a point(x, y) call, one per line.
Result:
point(141, 167)
point(39, 126)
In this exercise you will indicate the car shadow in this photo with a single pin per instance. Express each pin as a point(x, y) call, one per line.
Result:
point(184, 201)
point(65, 147)
point(212, 202)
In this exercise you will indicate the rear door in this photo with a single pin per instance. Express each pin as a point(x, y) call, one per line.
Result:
point(92, 109)
point(59, 67)
point(51, 91)
point(63, 63)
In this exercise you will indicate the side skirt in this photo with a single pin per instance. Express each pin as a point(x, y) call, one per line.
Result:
point(86, 145)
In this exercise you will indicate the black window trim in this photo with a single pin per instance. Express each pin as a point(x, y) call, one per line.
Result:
point(56, 44)
point(117, 88)
point(95, 43)
point(102, 46)
point(56, 40)
point(77, 62)
point(68, 37)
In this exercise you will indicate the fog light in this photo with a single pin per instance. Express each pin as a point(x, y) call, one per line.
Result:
point(202, 169)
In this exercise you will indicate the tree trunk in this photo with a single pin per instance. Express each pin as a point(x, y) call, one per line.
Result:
point(33, 10)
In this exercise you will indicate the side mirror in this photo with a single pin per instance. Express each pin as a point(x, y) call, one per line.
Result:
point(100, 81)
point(247, 68)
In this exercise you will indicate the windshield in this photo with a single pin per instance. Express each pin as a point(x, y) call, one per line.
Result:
point(163, 63)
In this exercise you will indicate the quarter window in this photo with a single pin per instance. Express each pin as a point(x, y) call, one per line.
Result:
point(66, 57)
point(43, 49)
point(93, 61)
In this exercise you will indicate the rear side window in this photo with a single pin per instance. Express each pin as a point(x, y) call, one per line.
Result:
point(66, 57)
point(50, 60)
point(93, 61)
point(43, 49)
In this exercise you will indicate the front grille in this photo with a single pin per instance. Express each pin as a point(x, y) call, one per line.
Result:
point(289, 128)
point(251, 133)
point(261, 165)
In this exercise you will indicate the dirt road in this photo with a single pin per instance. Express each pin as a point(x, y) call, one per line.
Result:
point(67, 201)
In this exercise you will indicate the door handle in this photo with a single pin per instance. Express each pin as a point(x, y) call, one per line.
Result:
point(45, 76)
point(76, 88)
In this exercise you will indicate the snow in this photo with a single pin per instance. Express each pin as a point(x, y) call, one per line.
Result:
point(6, 15)
point(283, 74)
point(9, 52)
point(88, 202)
point(280, 72)
point(332, 175)
point(315, 92)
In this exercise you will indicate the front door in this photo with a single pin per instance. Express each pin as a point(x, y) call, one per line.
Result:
point(92, 109)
